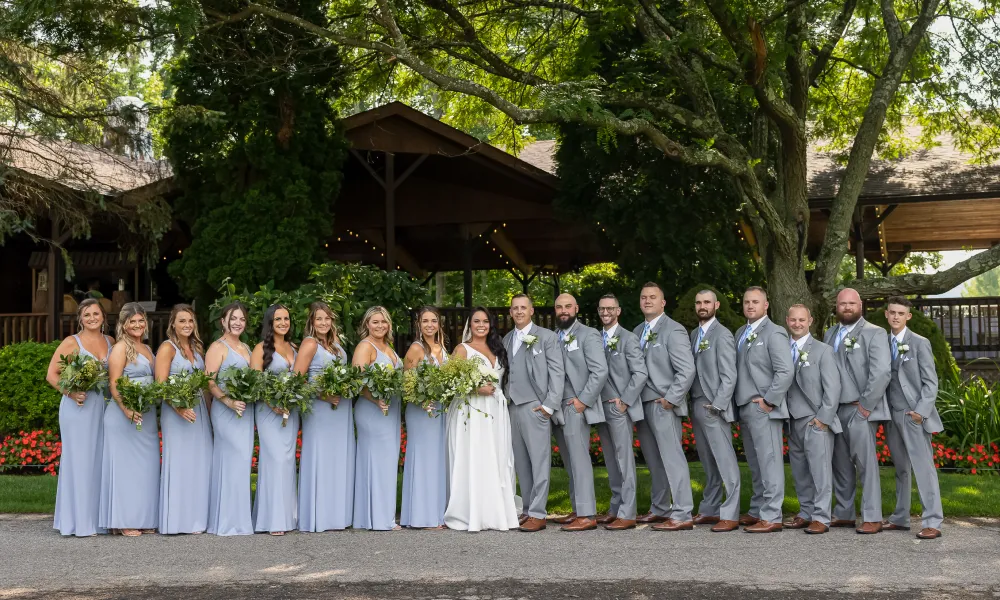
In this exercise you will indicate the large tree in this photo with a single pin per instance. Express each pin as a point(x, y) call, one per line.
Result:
point(851, 71)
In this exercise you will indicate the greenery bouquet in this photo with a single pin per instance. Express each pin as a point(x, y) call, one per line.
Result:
point(137, 397)
point(287, 391)
point(82, 373)
point(425, 385)
point(340, 379)
point(185, 390)
point(383, 382)
point(243, 384)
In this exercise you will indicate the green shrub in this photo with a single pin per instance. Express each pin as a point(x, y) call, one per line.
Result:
point(970, 411)
point(947, 368)
point(27, 401)
point(686, 316)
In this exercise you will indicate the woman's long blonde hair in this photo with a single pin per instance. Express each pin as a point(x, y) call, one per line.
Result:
point(195, 341)
point(438, 337)
point(363, 330)
point(332, 336)
point(129, 310)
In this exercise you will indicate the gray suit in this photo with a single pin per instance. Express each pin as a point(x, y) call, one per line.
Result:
point(626, 378)
point(711, 415)
point(814, 394)
point(586, 372)
point(914, 388)
point(764, 369)
point(671, 372)
point(536, 378)
point(864, 376)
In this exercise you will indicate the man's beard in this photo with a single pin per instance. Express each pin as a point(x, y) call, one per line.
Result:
point(710, 314)
point(565, 322)
point(854, 319)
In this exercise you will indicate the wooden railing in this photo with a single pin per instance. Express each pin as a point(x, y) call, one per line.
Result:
point(971, 325)
point(23, 327)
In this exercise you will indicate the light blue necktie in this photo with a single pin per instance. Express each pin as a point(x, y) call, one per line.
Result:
point(895, 348)
point(604, 334)
point(645, 334)
point(840, 337)
point(746, 334)
point(701, 335)
point(562, 336)
point(795, 352)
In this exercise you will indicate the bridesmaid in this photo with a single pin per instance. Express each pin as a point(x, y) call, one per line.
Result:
point(424, 487)
point(232, 452)
point(186, 472)
point(275, 507)
point(130, 474)
point(326, 470)
point(378, 434)
point(81, 428)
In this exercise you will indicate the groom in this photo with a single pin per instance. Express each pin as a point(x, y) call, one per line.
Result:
point(535, 392)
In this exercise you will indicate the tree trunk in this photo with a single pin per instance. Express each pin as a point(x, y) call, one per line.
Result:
point(786, 285)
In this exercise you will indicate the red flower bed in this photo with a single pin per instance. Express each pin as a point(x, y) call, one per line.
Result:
point(26, 451)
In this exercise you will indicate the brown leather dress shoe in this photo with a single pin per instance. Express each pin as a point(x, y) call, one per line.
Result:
point(521, 519)
point(869, 528)
point(748, 520)
point(796, 523)
point(650, 518)
point(705, 520)
point(887, 526)
point(763, 527)
point(580, 524)
point(565, 520)
point(621, 525)
point(606, 519)
point(672, 525)
point(816, 527)
point(531, 525)
point(843, 523)
point(929, 533)
point(724, 526)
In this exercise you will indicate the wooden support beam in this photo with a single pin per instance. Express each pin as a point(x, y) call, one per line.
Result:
point(506, 245)
point(403, 258)
point(409, 170)
point(467, 271)
point(859, 245)
point(390, 211)
point(368, 167)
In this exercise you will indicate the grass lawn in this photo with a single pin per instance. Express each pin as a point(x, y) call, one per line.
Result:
point(962, 495)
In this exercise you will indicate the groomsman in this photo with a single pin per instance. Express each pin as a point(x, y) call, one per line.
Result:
point(711, 414)
point(912, 392)
point(586, 372)
point(764, 374)
point(813, 399)
point(862, 351)
point(622, 407)
point(671, 370)
point(535, 392)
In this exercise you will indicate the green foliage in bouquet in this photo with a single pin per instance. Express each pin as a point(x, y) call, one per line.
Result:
point(137, 397)
point(242, 384)
point(185, 390)
point(288, 391)
point(383, 382)
point(340, 379)
point(82, 373)
point(425, 385)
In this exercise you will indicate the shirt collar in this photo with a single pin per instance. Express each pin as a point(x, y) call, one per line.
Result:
point(801, 342)
point(707, 324)
point(612, 330)
point(850, 328)
point(753, 326)
point(652, 324)
point(902, 334)
point(523, 332)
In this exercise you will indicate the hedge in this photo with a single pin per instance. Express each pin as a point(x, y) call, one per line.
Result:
point(27, 402)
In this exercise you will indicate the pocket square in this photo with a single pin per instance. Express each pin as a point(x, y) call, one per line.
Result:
point(572, 346)
point(656, 345)
point(760, 343)
point(536, 352)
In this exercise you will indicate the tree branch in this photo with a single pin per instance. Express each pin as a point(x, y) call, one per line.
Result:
point(928, 283)
point(892, 29)
point(837, 28)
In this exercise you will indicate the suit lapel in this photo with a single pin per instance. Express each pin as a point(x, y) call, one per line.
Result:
point(798, 364)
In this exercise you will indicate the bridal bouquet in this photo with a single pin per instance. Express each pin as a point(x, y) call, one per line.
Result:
point(287, 391)
point(424, 385)
point(462, 379)
point(82, 373)
point(137, 397)
point(383, 382)
point(185, 390)
point(243, 384)
point(340, 379)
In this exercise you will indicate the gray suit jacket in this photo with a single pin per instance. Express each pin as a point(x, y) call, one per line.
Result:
point(626, 373)
point(669, 364)
point(865, 368)
point(586, 371)
point(764, 368)
point(815, 392)
point(716, 367)
point(914, 370)
point(545, 366)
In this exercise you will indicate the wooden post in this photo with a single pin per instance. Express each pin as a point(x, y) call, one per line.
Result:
point(467, 270)
point(438, 288)
point(555, 285)
point(390, 211)
point(55, 268)
point(859, 244)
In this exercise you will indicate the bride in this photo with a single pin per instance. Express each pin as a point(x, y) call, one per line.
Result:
point(480, 455)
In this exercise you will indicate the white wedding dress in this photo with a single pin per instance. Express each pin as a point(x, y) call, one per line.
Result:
point(481, 481)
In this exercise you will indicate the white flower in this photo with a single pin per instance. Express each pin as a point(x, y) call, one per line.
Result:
point(613, 343)
point(750, 339)
point(850, 344)
point(702, 346)
point(903, 348)
point(803, 359)
point(530, 340)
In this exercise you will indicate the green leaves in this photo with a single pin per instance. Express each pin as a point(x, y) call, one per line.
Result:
point(27, 401)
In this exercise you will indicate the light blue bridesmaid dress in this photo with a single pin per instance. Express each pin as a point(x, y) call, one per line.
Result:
point(130, 473)
point(186, 473)
point(377, 463)
point(326, 469)
point(425, 493)
point(275, 507)
point(229, 493)
point(78, 491)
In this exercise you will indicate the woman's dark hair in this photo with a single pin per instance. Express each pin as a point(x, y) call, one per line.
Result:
point(267, 332)
point(493, 341)
point(227, 312)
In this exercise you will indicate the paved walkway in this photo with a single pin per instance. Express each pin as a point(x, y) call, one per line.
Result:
point(38, 563)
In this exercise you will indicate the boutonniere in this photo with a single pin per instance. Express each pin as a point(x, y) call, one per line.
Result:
point(750, 339)
point(850, 344)
point(803, 359)
point(613, 343)
point(902, 348)
point(530, 340)
point(650, 338)
point(702, 346)
point(569, 339)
